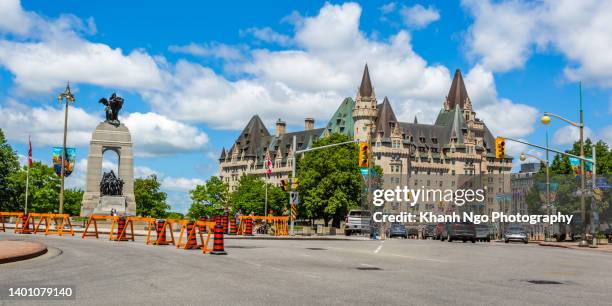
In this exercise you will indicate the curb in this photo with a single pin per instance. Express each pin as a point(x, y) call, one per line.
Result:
point(25, 256)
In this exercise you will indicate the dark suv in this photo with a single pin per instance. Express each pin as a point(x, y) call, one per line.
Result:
point(463, 231)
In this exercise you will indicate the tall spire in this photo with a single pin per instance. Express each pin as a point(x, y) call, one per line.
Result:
point(457, 95)
point(365, 89)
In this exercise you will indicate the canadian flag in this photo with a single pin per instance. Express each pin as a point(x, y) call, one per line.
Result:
point(30, 152)
point(268, 163)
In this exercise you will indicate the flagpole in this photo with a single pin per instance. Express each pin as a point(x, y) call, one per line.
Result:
point(27, 184)
point(28, 174)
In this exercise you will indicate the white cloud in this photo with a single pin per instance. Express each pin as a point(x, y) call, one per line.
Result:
point(418, 16)
point(502, 116)
point(268, 35)
point(45, 124)
point(606, 134)
point(180, 183)
point(13, 18)
point(505, 33)
point(56, 52)
point(309, 80)
point(388, 8)
point(217, 50)
point(152, 134)
point(143, 171)
point(155, 135)
point(568, 134)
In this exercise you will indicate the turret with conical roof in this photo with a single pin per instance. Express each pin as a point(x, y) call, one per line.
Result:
point(364, 111)
point(457, 94)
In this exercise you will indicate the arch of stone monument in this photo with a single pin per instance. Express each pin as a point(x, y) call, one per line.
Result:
point(117, 138)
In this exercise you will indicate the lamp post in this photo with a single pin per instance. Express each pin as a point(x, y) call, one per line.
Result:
point(523, 157)
point(546, 120)
point(68, 98)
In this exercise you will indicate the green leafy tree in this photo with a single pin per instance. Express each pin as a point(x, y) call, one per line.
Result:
point(9, 165)
point(330, 182)
point(72, 201)
point(209, 199)
point(250, 196)
point(149, 200)
point(175, 215)
point(43, 190)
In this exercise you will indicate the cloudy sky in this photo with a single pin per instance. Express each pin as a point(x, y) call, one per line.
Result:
point(192, 74)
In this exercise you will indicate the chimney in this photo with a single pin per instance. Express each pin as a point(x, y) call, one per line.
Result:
point(280, 127)
point(308, 124)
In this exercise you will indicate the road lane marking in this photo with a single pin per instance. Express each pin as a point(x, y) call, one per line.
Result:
point(379, 247)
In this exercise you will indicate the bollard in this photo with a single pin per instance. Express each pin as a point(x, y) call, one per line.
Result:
point(233, 229)
point(218, 248)
point(249, 227)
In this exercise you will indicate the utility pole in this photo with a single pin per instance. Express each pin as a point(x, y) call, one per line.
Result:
point(68, 98)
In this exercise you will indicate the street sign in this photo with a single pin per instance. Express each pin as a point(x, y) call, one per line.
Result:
point(293, 196)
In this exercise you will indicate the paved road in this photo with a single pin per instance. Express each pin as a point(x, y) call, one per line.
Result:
point(265, 272)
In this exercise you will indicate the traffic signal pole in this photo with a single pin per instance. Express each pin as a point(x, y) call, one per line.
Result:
point(294, 162)
point(582, 191)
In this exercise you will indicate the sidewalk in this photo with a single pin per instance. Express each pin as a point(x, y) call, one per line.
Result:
point(14, 250)
point(574, 245)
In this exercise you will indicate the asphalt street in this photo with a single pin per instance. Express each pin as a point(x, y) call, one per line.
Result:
point(269, 272)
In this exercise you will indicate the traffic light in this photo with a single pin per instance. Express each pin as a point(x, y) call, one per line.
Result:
point(500, 147)
point(364, 154)
point(294, 183)
point(285, 185)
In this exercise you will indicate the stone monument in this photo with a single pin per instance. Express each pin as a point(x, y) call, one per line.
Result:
point(103, 193)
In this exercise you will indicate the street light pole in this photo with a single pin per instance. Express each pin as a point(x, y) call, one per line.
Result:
point(546, 120)
point(522, 158)
point(68, 98)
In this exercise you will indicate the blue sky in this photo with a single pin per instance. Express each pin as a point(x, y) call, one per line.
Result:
point(193, 73)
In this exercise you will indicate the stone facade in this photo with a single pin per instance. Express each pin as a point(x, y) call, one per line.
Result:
point(118, 139)
point(444, 154)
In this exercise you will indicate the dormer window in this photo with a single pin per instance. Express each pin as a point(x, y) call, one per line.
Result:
point(434, 140)
point(422, 139)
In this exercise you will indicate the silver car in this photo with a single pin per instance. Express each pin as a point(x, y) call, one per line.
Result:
point(515, 233)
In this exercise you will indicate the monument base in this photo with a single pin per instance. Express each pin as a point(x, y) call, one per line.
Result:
point(107, 203)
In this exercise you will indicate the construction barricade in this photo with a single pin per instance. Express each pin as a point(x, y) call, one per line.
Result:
point(191, 230)
point(93, 220)
point(125, 227)
point(17, 216)
point(278, 225)
point(162, 227)
point(233, 228)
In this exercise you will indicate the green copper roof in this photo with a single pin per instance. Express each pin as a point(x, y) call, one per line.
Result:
point(342, 120)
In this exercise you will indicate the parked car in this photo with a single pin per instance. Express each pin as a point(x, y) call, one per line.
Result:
point(357, 221)
point(438, 231)
point(398, 230)
point(482, 232)
point(413, 232)
point(515, 232)
point(429, 231)
point(463, 231)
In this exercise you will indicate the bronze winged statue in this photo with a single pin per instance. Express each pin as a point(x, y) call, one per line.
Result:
point(113, 106)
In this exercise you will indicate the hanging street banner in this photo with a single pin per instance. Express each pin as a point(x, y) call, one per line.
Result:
point(69, 160)
point(575, 164)
point(553, 191)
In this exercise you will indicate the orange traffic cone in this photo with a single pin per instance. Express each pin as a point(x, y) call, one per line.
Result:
point(233, 229)
point(218, 248)
point(248, 227)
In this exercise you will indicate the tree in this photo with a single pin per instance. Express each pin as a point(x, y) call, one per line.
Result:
point(43, 190)
point(149, 200)
point(330, 182)
point(72, 201)
point(9, 164)
point(209, 199)
point(250, 196)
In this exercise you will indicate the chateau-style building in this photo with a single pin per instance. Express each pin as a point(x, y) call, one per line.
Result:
point(442, 155)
